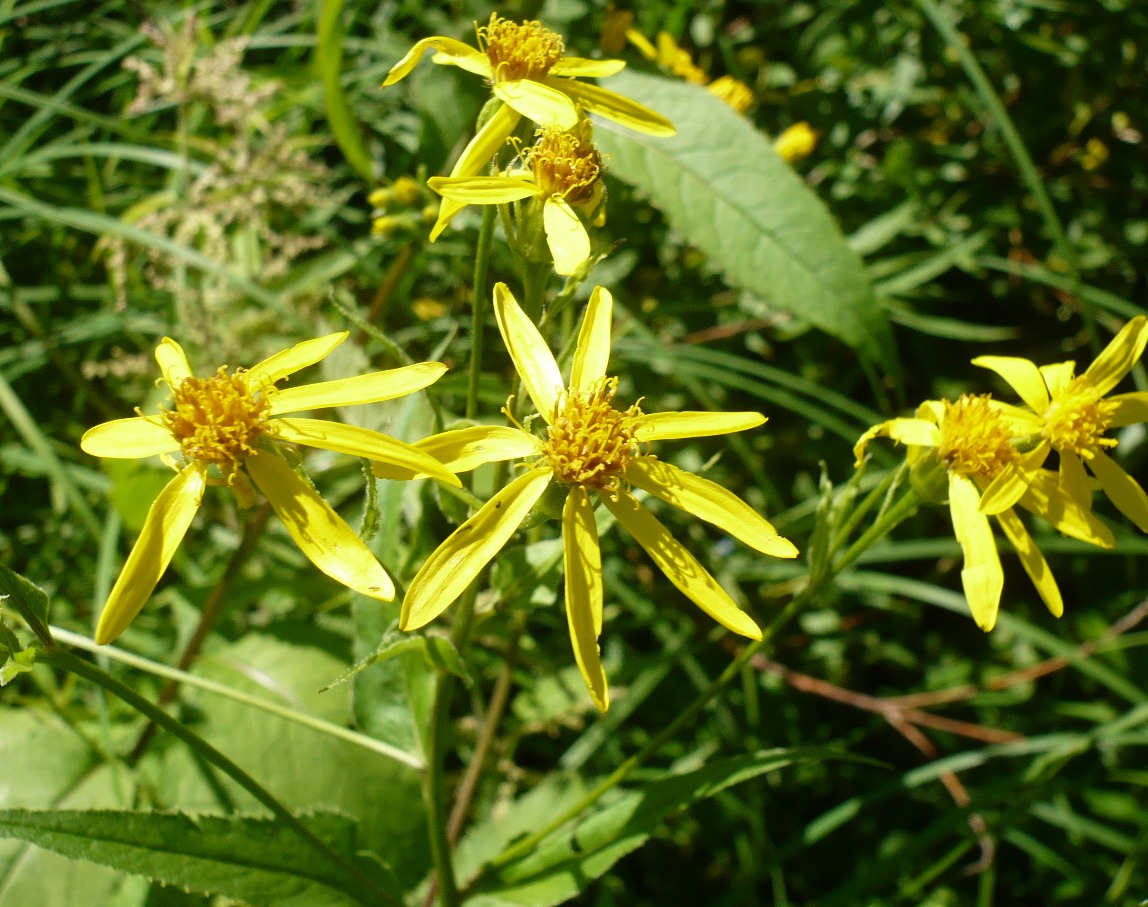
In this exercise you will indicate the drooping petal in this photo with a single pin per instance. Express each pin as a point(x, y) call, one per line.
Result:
point(1045, 498)
point(1122, 490)
point(708, 501)
point(172, 362)
point(447, 209)
point(1074, 481)
point(287, 362)
point(362, 442)
point(167, 522)
point(670, 426)
point(916, 432)
point(680, 567)
point(448, 51)
point(592, 353)
point(1057, 377)
point(321, 534)
point(1012, 482)
point(1127, 409)
point(1116, 360)
point(982, 576)
point(129, 439)
point(614, 106)
point(484, 190)
point(491, 136)
point(583, 566)
point(532, 357)
point(582, 68)
point(566, 237)
point(1033, 561)
point(544, 104)
point(1022, 376)
point(932, 411)
point(458, 560)
point(372, 388)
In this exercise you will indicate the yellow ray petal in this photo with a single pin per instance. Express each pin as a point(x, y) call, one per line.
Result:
point(1127, 409)
point(458, 560)
point(1045, 498)
point(592, 354)
point(614, 106)
point(532, 357)
point(287, 362)
point(491, 136)
point(362, 442)
point(1116, 360)
point(321, 534)
point(583, 565)
point(1074, 481)
point(172, 362)
point(708, 501)
point(1022, 376)
point(982, 576)
point(467, 448)
point(567, 239)
point(1057, 377)
point(1034, 563)
point(1010, 485)
point(128, 439)
point(917, 432)
point(447, 209)
point(167, 522)
point(484, 190)
point(544, 104)
point(680, 567)
point(1122, 490)
point(668, 426)
point(371, 388)
point(581, 68)
point(448, 51)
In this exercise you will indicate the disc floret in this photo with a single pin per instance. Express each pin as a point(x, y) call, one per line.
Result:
point(217, 419)
point(976, 439)
point(1077, 420)
point(526, 51)
point(590, 442)
point(564, 166)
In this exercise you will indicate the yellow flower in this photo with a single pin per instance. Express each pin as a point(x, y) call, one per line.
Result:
point(971, 441)
point(226, 427)
point(561, 170)
point(733, 92)
point(1076, 413)
point(595, 453)
point(796, 142)
point(676, 60)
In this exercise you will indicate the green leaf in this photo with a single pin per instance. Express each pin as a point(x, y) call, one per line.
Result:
point(29, 600)
point(720, 183)
point(437, 652)
point(328, 62)
point(256, 859)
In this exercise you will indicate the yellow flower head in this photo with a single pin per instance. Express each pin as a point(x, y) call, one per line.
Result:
point(676, 60)
point(1076, 413)
point(796, 142)
point(596, 453)
point(226, 427)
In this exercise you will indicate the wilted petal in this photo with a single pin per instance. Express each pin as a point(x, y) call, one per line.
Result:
point(1022, 376)
point(1116, 360)
point(166, 524)
point(448, 51)
point(1034, 563)
point(1122, 490)
point(982, 576)
point(321, 534)
point(583, 565)
point(287, 362)
point(172, 362)
point(532, 357)
point(668, 426)
point(128, 439)
point(458, 560)
point(592, 353)
point(567, 239)
point(614, 106)
point(680, 567)
point(544, 104)
point(372, 388)
point(484, 190)
point(581, 68)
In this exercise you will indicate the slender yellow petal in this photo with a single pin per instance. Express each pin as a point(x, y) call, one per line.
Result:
point(362, 442)
point(583, 565)
point(1012, 482)
point(172, 362)
point(1033, 561)
point(680, 567)
point(1074, 481)
point(484, 190)
point(458, 560)
point(1127, 409)
point(982, 576)
point(1116, 360)
point(640, 41)
point(321, 534)
point(468, 448)
point(1045, 498)
point(669, 426)
point(491, 136)
point(614, 106)
point(287, 362)
point(1057, 377)
point(372, 388)
point(532, 357)
point(916, 432)
point(1122, 490)
point(1022, 376)
point(567, 239)
point(128, 439)
point(166, 524)
point(1021, 421)
point(447, 209)
point(542, 103)
point(592, 353)
point(708, 501)
point(582, 68)
point(448, 51)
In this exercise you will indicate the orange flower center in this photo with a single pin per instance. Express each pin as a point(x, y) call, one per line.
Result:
point(590, 442)
point(976, 440)
point(526, 51)
point(1077, 420)
point(217, 419)
point(564, 166)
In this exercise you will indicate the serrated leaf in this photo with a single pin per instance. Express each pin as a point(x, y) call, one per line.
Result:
point(28, 599)
point(720, 183)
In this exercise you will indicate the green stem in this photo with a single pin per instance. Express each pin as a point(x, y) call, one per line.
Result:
point(478, 307)
point(364, 888)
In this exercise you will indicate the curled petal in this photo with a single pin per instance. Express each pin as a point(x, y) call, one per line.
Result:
point(708, 501)
point(668, 426)
point(1116, 360)
point(129, 439)
point(167, 522)
point(982, 576)
point(1045, 498)
point(447, 209)
point(915, 432)
point(567, 239)
point(1033, 561)
point(458, 560)
point(545, 104)
point(484, 190)
point(287, 362)
point(321, 534)
point(1127, 409)
point(581, 68)
point(583, 565)
point(1122, 490)
point(1012, 482)
point(448, 51)
point(372, 388)
point(613, 106)
point(1022, 376)
point(1057, 377)
point(680, 567)
point(532, 357)
point(172, 362)
point(592, 353)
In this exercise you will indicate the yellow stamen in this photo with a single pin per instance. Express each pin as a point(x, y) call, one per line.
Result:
point(589, 441)
point(564, 166)
point(526, 51)
point(217, 419)
point(975, 438)
point(1077, 420)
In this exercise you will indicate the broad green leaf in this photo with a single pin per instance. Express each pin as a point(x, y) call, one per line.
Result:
point(721, 185)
